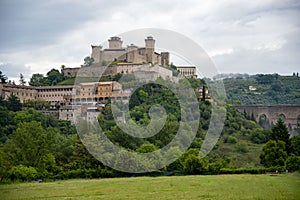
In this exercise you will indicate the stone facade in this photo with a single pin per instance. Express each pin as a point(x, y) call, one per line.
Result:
point(51, 94)
point(54, 94)
point(71, 99)
point(153, 71)
point(24, 93)
point(129, 54)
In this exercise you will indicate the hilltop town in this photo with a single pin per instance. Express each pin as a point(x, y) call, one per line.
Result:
point(90, 96)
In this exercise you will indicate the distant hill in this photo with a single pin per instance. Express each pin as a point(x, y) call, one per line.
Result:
point(262, 89)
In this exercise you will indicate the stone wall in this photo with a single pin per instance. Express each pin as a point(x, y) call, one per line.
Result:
point(70, 72)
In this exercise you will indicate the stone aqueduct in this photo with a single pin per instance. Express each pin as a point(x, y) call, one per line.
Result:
point(290, 113)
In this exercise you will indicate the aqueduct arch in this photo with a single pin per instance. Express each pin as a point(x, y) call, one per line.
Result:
point(289, 113)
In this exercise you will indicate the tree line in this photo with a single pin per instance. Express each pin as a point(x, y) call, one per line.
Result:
point(35, 145)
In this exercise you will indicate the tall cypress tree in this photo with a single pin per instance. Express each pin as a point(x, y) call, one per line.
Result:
point(280, 132)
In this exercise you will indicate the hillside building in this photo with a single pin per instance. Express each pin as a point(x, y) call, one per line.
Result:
point(187, 71)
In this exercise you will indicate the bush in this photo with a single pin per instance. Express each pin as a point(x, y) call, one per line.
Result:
point(194, 165)
point(243, 171)
point(258, 136)
point(22, 173)
point(293, 163)
point(215, 167)
point(231, 140)
point(86, 173)
point(242, 147)
point(175, 166)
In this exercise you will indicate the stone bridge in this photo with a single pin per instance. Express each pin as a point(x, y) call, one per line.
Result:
point(289, 113)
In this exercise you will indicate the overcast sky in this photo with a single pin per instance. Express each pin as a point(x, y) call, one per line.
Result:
point(240, 36)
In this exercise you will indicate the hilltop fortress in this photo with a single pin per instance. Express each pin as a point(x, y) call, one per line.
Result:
point(129, 54)
point(90, 98)
point(125, 60)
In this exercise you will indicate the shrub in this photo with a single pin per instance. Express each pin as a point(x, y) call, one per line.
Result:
point(231, 139)
point(243, 171)
point(293, 163)
point(22, 173)
point(215, 167)
point(258, 136)
point(242, 147)
point(86, 173)
point(194, 165)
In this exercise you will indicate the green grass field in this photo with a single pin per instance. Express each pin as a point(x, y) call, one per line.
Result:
point(176, 187)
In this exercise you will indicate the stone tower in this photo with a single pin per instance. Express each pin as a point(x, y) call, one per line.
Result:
point(165, 58)
point(149, 44)
point(115, 43)
point(96, 53)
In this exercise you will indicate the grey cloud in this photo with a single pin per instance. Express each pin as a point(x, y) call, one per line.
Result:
point(61, 31)
point(283, 61)
point(33, 23)
point(12, 71)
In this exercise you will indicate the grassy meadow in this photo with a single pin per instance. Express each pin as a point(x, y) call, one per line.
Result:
point(176, 187)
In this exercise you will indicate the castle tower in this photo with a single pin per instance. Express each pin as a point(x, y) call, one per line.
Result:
point(96, 53)
point(150, 43)
point(115, 43)
point(165, 58)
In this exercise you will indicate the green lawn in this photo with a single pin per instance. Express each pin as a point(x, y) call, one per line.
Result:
point(177, 187)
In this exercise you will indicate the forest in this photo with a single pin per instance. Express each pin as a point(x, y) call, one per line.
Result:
point(263, 89)
point(34, 145)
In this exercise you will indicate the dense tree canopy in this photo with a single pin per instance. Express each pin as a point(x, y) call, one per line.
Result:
point(265, 89)
point(35, 145)
point(53, 77)
point(38, 80)
point(274, 154)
